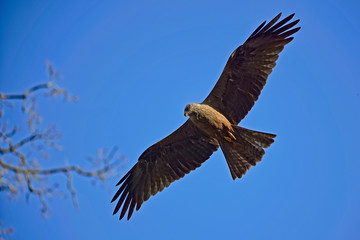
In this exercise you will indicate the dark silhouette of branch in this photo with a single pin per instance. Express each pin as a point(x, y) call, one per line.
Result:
point(12, 147)
point(26, 93)
point(24, 147)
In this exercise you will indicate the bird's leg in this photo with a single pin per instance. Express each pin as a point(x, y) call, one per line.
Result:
point(232, 135)
point(228, 139)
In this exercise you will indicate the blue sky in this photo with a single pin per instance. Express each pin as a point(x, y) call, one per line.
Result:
point(135, 65)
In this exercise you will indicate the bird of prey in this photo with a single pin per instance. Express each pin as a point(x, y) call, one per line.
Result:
point(213, 123)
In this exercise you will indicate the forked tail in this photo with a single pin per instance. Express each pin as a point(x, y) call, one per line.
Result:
point(246, 150)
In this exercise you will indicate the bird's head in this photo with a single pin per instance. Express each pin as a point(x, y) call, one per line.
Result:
point(189, 109)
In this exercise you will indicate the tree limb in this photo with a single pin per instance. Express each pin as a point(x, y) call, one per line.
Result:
point(21, 172)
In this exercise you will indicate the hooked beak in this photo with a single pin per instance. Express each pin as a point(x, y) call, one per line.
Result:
point(186, 114)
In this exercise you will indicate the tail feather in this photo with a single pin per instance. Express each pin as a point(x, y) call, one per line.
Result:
point(246, 151)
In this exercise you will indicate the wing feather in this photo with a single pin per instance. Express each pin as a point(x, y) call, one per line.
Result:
point(248, 68)
point(161, 164)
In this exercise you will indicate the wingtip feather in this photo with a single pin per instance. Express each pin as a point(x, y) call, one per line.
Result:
point(113, 199)
point(125, 207)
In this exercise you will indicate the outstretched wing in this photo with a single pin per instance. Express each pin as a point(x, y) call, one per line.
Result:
point(161, 164)
point(248, 68)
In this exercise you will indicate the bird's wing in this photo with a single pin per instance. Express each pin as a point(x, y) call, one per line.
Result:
point(248, 67)
point(161, 164)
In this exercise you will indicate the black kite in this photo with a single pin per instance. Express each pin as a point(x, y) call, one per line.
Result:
point(213, 122)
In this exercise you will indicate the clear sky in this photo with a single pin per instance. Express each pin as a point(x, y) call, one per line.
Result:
point(136, 64)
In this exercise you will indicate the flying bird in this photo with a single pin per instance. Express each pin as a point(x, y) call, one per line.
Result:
point(213, 123)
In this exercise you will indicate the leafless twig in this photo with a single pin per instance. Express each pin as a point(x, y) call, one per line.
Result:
point(22, 172)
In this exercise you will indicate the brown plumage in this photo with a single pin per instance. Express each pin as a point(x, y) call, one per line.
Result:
point(213, 123)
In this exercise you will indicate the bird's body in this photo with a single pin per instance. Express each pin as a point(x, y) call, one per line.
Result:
point(210, 121)
point(213, 123)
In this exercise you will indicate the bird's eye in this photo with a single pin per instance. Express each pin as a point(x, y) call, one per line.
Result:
point(187, 108)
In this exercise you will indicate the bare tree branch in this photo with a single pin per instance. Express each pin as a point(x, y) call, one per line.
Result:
point(26, 93)
point(12, 147)
point(24, 147)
